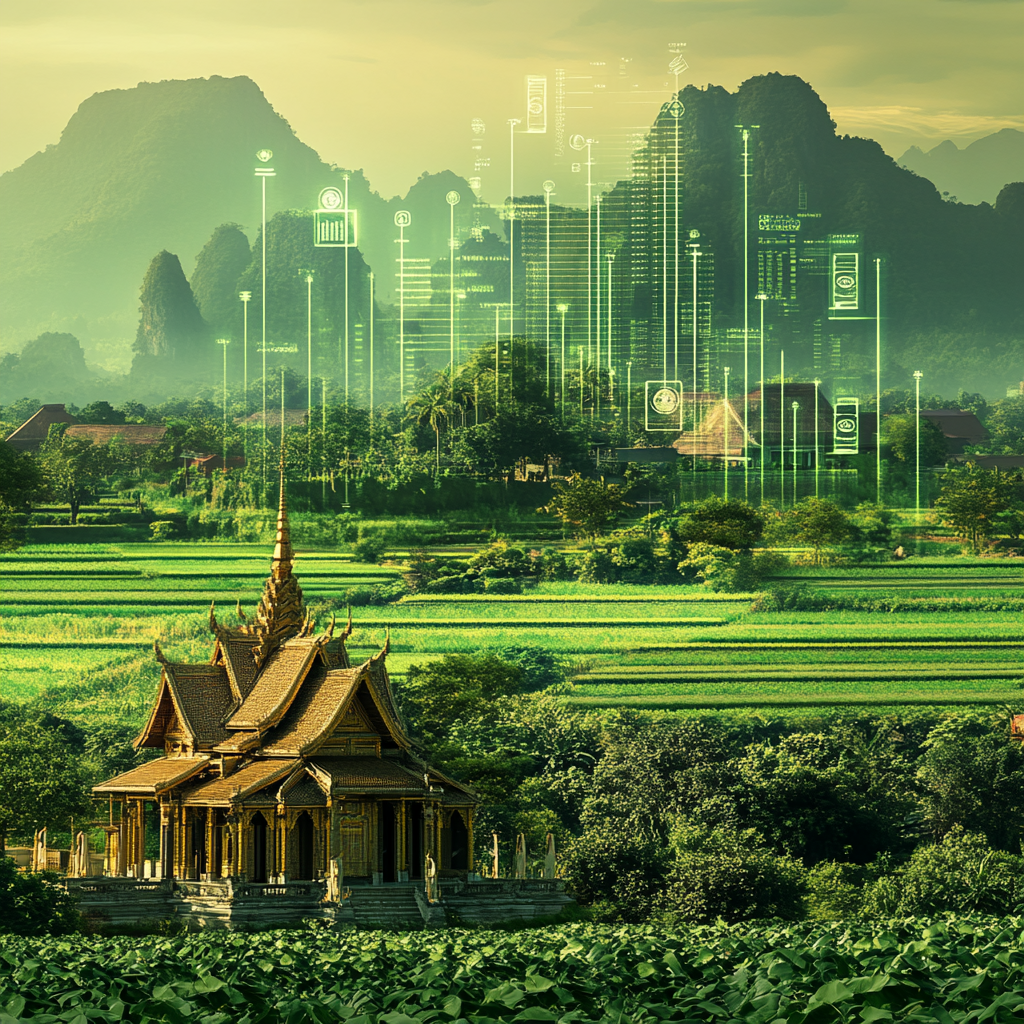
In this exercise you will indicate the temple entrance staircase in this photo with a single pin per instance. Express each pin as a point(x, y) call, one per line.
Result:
point(393, 905)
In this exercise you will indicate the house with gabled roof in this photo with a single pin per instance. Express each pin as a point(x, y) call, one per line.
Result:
point(282, 761)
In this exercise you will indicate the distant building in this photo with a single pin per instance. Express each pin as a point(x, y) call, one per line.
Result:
point(959, 428)
point(207, 464)
point(32, 433)
point(137, 434)
point(776, 445)
point(1002, 463)
point(30, 436)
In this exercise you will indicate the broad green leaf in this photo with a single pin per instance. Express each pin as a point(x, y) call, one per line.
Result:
point(535, 1013)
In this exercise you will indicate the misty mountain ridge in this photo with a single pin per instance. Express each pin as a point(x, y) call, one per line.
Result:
point(159, 167)
point(974, 174)
point(164, 166)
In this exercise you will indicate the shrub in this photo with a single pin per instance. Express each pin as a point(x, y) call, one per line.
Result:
point(553, 565)
point(635, 558)
point(503, 585)
point(163, 529)
point(835, 891)
point(620, 871)
point(725, 873)
point(370, 549)
point(504, 560)
point(596, 567)
point(539, 666)
point(962, 875)
point(34, 904)
point(723, 569)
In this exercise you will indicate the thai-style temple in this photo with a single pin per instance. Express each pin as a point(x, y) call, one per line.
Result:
point(282, 763)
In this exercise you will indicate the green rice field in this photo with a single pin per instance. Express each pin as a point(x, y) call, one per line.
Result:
point(79, 624)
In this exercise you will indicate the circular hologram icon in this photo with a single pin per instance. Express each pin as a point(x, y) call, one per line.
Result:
point(330, 199)
point(665, 401)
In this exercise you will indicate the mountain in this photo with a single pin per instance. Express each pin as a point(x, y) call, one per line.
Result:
point(974, 174)
point(159, 167)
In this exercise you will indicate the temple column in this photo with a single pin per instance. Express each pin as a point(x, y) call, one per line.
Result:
point(181, 843)
point(429, 832)
point(470, 862)
point(334, 843)
point(373, 857)
point(122, 839)
point(189, 850)
point(166, 868)
point(402, 841)
point(244, 848)
point(210, 871)
point(140, 838)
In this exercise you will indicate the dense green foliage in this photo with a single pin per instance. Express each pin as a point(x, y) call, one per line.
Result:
point(913, 971)
point(34, 904)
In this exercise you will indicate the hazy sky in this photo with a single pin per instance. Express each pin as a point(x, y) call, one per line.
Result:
point(392, 85)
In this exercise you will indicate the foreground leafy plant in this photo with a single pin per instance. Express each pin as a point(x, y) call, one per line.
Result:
point(906, 971)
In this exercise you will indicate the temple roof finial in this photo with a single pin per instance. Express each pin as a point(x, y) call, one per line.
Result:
point(281, 614)
point(281, 567)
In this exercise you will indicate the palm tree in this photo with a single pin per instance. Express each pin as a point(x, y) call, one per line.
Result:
point(432, 406)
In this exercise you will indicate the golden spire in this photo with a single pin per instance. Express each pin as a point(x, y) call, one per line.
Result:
point(281, 567)
point(281, 614)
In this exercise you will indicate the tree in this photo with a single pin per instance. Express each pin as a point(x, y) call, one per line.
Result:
point(971, 776)
point(215, 280)
point(873, 521)
point(21, 480)
point(42, 776)
point(901, 434)
point(432, 406)
point(100, 412)
point(971, 501)
point(589, 506)
point(818, 523)
point(172, 337)
point(723, 873)
point(1005, 425)
point(72, 466)
point(724, 524)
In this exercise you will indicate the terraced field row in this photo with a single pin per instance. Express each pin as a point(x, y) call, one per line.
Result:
point(86, 639)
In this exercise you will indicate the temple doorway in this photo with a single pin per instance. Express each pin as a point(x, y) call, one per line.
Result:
point(304, 842)
point(460, 843)
point(259, 847)
point(415, 840)
point(198, 844)
point(217, 854)
point(388, 842)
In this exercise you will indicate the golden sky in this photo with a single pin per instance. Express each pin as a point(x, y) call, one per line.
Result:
point(392, 85)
